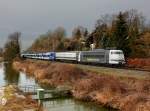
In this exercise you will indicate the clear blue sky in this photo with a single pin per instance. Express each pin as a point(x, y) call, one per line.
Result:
point(35, 17)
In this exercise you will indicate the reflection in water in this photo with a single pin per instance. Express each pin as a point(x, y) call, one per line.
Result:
point(71, 105)
point(11, 75)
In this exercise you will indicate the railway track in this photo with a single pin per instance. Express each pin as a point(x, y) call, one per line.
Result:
point(120, 72)
point(137, 69)
point(107, 66)
point(129, 68)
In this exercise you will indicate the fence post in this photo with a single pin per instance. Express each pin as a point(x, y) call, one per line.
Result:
point(40, 94)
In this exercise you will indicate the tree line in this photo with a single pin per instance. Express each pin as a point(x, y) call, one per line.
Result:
point(127, 31)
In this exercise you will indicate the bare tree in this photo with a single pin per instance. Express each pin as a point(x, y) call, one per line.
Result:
point(12, 47)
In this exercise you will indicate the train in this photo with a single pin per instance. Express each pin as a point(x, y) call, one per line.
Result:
point(96, 56)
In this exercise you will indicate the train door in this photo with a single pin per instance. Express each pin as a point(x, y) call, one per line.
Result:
point(107, 52)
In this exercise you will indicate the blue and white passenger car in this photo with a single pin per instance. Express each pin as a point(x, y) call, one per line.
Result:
point(42, 56)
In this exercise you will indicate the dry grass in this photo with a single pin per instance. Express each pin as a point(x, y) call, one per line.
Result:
point(142, 63)
point(114, 92)
point(51, 73)
point(16, 101)
point(121, 92)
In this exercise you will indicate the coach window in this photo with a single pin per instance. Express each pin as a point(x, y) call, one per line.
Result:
point(116, 52)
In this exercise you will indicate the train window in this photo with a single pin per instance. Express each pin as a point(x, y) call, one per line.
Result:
point(116, 52)
point(94, 56)
point(45, 55)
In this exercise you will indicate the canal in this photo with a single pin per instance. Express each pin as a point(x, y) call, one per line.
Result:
point(10, 76)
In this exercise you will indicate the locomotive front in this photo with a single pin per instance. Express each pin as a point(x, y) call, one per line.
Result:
point(116, 57)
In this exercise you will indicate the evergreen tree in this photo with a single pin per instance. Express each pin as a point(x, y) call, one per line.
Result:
point(121, 39)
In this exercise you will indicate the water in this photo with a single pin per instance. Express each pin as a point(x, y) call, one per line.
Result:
point(10, 76)
point(71, 105)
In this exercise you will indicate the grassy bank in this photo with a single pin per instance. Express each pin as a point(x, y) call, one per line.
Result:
point(12, 99)
point(120, 92)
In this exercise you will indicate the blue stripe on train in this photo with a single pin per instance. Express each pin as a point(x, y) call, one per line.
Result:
point(52, 56)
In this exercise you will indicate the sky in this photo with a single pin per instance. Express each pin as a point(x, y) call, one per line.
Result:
point(35, 17)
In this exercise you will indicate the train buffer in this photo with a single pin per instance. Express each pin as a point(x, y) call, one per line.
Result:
point(38, 93)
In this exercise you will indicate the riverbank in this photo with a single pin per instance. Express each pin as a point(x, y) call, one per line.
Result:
point(12, 99)
point(123, 93)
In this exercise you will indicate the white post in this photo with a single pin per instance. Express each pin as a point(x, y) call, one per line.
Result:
point(92, 46)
